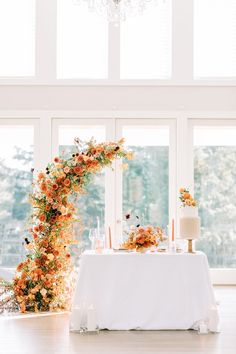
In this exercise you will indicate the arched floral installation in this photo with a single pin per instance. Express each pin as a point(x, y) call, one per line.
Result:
point(43, 281)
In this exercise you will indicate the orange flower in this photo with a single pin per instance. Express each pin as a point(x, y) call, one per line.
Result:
point(38, 271)
point(78, 170)
point(22, 307)
point(20, 266)
point(55, 186)
point(41, 227)
point(48, 207)
point(42, 218)
point(186, 196)
point(66, 182)
point(41, 175)
point(43, 187)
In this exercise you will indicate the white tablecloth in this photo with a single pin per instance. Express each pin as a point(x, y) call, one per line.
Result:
point(145, 291)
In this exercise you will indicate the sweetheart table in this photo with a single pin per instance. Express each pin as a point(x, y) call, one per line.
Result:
point(150, 291)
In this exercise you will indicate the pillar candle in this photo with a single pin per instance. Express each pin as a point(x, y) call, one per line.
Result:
point(76, 318)
point(203, 328)
point(91, 319)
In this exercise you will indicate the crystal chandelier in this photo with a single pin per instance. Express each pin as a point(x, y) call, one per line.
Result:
point(117, 10)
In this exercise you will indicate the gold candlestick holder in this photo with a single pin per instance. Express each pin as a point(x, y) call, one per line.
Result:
point(190, 246)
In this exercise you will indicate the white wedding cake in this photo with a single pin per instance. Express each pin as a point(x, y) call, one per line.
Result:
point(189, 223)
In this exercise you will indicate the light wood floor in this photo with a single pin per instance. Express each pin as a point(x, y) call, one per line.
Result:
point(50, 335)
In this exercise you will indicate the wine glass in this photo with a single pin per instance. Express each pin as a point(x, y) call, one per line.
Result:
point(92, 237)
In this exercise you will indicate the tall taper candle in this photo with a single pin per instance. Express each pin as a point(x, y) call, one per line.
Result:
point(98, 227)
point(110, 242)
point(173, 230)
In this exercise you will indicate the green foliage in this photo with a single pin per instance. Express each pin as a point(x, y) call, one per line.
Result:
point(15, 185)
point(215, 189)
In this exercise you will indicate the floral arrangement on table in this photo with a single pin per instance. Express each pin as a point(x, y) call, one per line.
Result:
point(143, 237)
point(186, 198)
point(43, 280)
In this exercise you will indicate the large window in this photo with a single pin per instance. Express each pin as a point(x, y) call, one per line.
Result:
point(214, 38)
point(82, 42)
point(17, 38)
point(146, 181)
point(16, 161)
point(146, 43)
point(148, 188)
point(61, 42)
point(215, 188)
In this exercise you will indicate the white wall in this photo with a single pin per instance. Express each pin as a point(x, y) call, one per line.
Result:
point(118, 98)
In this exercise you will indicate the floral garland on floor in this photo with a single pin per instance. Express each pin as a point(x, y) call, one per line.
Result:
point(43, 280)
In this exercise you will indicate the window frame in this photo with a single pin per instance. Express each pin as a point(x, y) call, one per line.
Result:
point(220, 276)
point(158, 122)
point(13, 119)
point(182, 145)
point(182, 53)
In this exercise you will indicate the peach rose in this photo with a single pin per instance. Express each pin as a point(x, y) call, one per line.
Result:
point(67, 169)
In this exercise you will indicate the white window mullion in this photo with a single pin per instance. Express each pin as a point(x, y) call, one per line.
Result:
point(110, 186)
point(172, 171)
point(114, 52)
point(118, 189)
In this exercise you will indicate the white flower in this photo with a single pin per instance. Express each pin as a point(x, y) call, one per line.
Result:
point(43, 292)
point(50, 256)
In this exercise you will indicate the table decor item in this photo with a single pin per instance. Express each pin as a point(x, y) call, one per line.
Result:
point(189, 219)
point(44, 280)
point(214, 320)
point(143, 237)
point(76, 319)
point(92, 237)
point(203, 329)
point(91, 319)
point(171, 237)
point(109, 237)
